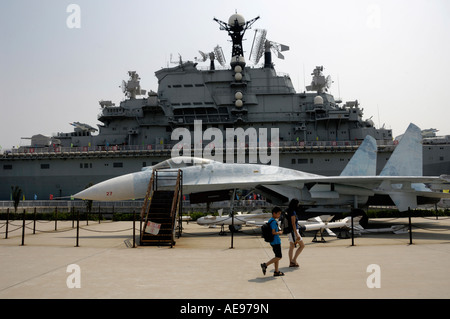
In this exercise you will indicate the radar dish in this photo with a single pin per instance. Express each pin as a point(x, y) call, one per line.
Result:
point(132, 87)
point(277, 48)
point(258, 45)
point(328, 82)
point(261, 44)
point(319, 83)
point(124, 86)
point(204, 56)
point(218, 52)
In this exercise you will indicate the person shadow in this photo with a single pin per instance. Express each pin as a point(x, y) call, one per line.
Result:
point(269, 276)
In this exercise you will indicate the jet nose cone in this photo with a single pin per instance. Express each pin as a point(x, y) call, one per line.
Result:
point(118, 188)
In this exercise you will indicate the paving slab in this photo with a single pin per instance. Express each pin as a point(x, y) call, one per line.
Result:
point(202, 264)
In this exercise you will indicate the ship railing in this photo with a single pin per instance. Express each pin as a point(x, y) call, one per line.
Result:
point(169, 146)
point(217, 66)
point(86, 149)
point(130, 205)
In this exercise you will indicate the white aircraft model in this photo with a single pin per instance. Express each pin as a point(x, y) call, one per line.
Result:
point(319, 223)
point(401, 180)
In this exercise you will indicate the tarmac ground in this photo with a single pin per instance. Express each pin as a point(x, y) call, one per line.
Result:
point(202, 264)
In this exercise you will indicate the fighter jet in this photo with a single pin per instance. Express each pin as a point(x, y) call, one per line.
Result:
point(400, 181)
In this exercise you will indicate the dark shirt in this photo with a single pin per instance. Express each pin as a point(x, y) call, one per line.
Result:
point(290, 214)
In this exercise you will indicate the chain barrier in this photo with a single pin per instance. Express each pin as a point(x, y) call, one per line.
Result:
point(74, 220)
point(4, 226)
point(106, 231)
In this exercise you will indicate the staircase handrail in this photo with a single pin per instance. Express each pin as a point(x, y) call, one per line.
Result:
point(176, 194)
point(176, 198)
point(148, 199)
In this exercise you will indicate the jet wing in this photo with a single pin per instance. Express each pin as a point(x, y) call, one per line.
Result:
point(366, 182)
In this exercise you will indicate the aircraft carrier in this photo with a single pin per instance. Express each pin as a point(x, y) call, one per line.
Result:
point(317, 133)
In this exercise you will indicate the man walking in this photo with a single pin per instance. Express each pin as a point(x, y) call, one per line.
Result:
point(275, 243)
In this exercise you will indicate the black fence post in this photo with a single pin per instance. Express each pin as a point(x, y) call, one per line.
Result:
point(78, 226)
point(23, 228)
point(140, 229)
point(7, 222)
point(34, 221)
point(56, 218)
point(134, 229)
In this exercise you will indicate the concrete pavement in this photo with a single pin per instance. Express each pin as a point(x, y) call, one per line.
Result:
point(202, 264)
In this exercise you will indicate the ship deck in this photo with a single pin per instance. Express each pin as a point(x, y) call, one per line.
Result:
point(202, 264)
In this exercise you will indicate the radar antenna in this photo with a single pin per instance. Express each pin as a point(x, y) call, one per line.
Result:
point(328, 82)
point(179, 62)
point(262, 45)
point(259, 42)
point(204, 56)
point(133, 86)
point(319, 82)
point(236, 28)
point(123, 86)
point(277, 48)
point(216, 54)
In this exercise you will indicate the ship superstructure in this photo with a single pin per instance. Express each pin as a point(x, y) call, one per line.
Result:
point(317, 133)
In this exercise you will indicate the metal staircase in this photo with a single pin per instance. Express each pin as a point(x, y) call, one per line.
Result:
point(161, 211)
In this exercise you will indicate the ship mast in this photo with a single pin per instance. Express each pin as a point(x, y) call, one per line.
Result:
point(236, 28)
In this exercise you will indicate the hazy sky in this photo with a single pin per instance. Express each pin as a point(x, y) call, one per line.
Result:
point(392, 56)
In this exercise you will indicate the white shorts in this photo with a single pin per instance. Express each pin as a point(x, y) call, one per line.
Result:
point(292, 240)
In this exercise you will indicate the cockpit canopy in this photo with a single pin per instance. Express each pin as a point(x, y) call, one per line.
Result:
point(180, 162)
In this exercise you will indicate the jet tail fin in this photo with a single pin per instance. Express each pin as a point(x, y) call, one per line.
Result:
point(406, 160)
point(364, 161)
